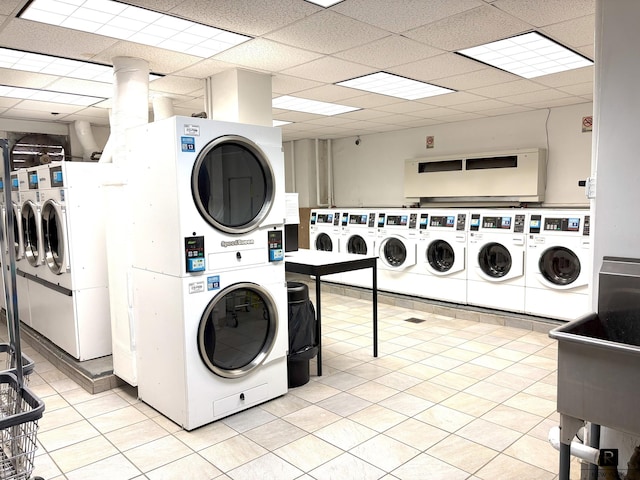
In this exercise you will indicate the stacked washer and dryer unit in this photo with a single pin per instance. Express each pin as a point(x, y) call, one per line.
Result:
point(210, 295)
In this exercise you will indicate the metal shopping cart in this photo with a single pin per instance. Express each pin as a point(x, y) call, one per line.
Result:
point(20, 409)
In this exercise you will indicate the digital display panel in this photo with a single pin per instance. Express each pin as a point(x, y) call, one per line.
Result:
point(325, 218)
point(381, 220)
point(33, 180)
point(443, 221)
point(424, 220)
point(397, 220)
point(56, 177)
point(475, 222)
point(358, 219)
point(15, 183)
point(496, 222)
point(567, 224)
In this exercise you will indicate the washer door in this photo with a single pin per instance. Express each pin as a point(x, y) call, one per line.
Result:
point(31, 233)
point(324, 242)
point(559, 266)
point(237, 330)
point(495, 260)
point(233, 184)
point(357, 244)
point(395, 254)
point(53, 235)
point(441, 256)
point(17, 232)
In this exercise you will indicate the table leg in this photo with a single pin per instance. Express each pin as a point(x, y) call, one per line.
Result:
point(318, 326)
point(374, 291)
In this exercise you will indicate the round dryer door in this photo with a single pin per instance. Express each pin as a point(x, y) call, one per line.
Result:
point(356, 244)
point(394, 252)
point(324, 243)
point(237, 330)
point(17, 232)
point(559, 266)
point(233, 184)
point(495, 260)
point(440, 256)
point(30, 237)
point(53, 237)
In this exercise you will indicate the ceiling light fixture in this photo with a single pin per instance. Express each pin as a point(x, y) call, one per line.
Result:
point(48, 96)
point(325, 3)
point(298, 104)
point(395, 86)
point(529, 55)
point(60, 66)
point(280, 123)
point(126, 22)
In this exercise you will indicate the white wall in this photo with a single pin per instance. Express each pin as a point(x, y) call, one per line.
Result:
point(372, 174)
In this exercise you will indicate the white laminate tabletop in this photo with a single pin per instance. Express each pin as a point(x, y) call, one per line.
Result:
point(319, 257)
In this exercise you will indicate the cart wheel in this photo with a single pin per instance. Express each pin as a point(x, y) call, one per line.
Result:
point(37, 478)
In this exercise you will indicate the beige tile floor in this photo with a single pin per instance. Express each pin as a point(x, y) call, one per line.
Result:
point(445, 399)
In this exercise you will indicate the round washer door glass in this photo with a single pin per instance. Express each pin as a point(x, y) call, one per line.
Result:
point(324, 243)
point(233, 184)
point(237, 330)
point(53, 237)
point(559, 265)
point(394, 252)
point(495, 260)
point(356, 244)
point(440, 256)
point(30, 234)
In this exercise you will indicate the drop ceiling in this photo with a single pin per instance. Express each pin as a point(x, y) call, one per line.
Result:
point(307, 49)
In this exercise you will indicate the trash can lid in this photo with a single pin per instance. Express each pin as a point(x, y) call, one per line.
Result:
point(297, 292)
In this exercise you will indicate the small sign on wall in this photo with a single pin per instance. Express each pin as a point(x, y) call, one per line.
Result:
point(587, 124)
point(430, 141)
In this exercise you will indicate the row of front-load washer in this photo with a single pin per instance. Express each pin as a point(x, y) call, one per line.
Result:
point(520, 260)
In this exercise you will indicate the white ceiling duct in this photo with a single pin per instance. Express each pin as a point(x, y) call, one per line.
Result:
point(162, 108)
point(86, 139)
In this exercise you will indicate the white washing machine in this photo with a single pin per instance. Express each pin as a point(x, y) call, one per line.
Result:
point(442, 254)
point(210, 346)
point(210, 298)
point(559, 264)
point(30, 219)
point(219, 182)
point(19, 183)
point(397, 247)
point(359, 237)
point(69, 295)
point(496, 265)
point(324, 230)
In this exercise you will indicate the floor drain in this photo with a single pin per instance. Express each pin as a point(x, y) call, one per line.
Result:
point(414, 320)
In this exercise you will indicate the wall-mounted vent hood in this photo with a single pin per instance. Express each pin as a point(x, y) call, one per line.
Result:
point(511, 176)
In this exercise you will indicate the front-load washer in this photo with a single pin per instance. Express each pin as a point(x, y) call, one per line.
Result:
point(30, 218)
point(19, 184)
point(359, 237)
point(210, 346)
point(193, 177)
point(324, 230)
point(495, 272)
point(559, 264)
point(397, 245)
point(442, 254)
point(69, 293)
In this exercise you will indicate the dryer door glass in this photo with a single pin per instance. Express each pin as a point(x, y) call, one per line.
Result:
point(237, 330)
point(233, 184)
point(324, 243)
point(356, 244)
point(30, 233)
point(53, 237)
point(440, 256)
point(494, 260)
point(395, 253)
point(17, 232)
point(559, 265)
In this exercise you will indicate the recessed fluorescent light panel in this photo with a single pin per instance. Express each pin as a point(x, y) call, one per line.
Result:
point(297, 104)
point(62, 67)
point(325, 3)
point(48, 96)
point(279, 123)
point(135, 24)
point(529, 55)
point(393, 85)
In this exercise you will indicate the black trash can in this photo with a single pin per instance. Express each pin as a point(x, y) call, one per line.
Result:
point(302, 334)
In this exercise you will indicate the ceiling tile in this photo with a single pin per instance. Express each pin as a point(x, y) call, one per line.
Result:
point(562, 79)
point(546, 12)
point(8, 6)
point(49, 107)
point(327, 32)
point(156, 5)
point(368, 114)
point(204, 68)
point(539, 96)
point(371, 100)
point(388, 52)
point(19, 78)
point(160, 60)
point(404, 107)
point(506, 110)
point(286, 84)
point(177, 84)
point(558, 102)
point(395, 17)
point(480, 78)
point(482, 105)
point(28, 114)
point(461, 31)
point(82, 87)
point(266, 55)
point(578, 89)
point(460, 117)
point(252, 17)
point(573, 33)
point(451, 99)
point(6, 102)
point(329, 93)
point(440, 66)
point(329, 70)
point(509, 88)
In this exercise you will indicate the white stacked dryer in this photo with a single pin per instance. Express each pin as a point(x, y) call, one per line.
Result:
point(69, 295)
point(496, 265)
point(442, 254)
point(359, 237)
point(559, 264)
point(397, 247)
point(210, 295)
